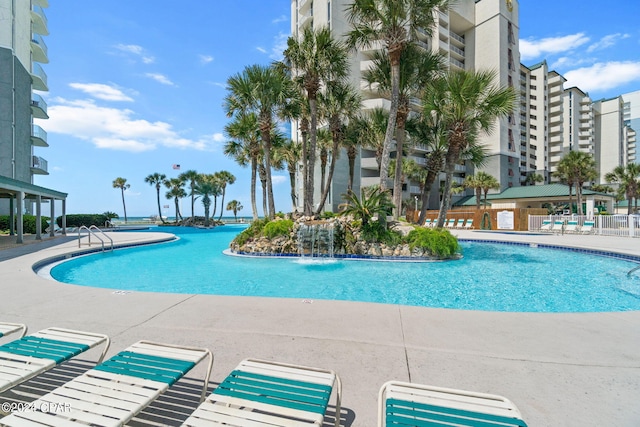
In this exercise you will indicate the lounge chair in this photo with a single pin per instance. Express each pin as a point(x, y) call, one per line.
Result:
point(572, 227)
point(460, 223)
point(558, 226)
point(263, 393)
point(469, 224)
point(587, 227)
point(7, 328)
point(401, 403)
point(451, 223)
point(427, 223)
point(546, 225)
point(115, 391)
point(31, 355)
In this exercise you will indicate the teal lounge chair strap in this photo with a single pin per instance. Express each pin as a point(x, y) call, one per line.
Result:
point(155, 368)
point(44, 348)
point(276, 391)
point(402, 412)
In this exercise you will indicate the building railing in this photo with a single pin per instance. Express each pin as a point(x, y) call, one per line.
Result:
point(37, 39)
point(603, 225)
point(39, 163)
point(38, 132)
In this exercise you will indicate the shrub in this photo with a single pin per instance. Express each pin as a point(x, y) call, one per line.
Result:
point(278, 228)
point(254, 230)
point(437, 242)
point(28, 222)
point(377, 232)
point(78, 220)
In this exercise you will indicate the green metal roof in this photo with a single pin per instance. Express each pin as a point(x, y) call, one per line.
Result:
point(11, 186)
point(531, 192)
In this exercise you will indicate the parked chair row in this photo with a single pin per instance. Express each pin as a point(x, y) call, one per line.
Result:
point(572, 226)
point(256, 392)
point(460, 224)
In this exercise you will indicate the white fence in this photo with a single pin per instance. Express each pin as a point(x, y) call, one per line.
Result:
point(606, 225)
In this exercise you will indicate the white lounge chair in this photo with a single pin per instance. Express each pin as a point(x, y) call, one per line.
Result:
point(7, 328)
point(427, 223)
point(33, 354)
point(558, 226)
point(263, 393)
point(407, 404)
point(587, 227)
point(451, 223)
point(546, 225)
point(469, 224)
point(115, 391)
point(460, 223)
point(572, 227)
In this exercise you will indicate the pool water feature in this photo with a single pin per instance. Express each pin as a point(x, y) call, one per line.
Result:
point(494, 277)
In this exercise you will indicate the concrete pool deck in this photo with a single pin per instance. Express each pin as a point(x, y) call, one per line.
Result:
point(559, 369)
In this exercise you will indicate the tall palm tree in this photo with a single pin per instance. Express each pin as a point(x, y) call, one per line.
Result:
point(467, 102)
point(417, 67)
point(224, 178)
point(244, 148)
point(473, 182)
point(487, 182)
point(376, 121)
point(533, 178)
point(576, 168)
point(176, 192)
point(291, 154)
point(314, 59)
point(190, 177)
point(564, 175)
point(396, 24)
point(627, 177)
point(121, 183)
point(157, 179)
point(206, 186)
point(234, 206)
point(268, 92)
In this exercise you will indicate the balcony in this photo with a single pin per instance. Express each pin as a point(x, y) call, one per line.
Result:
point(38, 166)
point(39, 21)
point(369, 163)
point(42, 3)
point(303, 5)
point(38, 77)
point(38, 136)
point(39, 107)
point(39, 49)
point(306, 20)
point(456, 64)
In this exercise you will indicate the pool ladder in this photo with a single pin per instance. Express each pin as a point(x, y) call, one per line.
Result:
point(94, 231)
point(632, 270)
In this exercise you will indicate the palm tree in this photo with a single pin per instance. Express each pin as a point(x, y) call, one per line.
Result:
point(396, 24)
point(224, 178)
point(176, 192)
point(473, 181)
point(417, 67)
point(340, 102)
point(375, 123)
point(533, 178)
point(323, 143)
point(244, 148)
point(267, 92)
point(190, 177)
point(314, 59)
point(157, 179)
point(576, 168)
point(487, 182)
point(467, 102)
point(121, 183)
point(206, 186)
point(374, 201)
point(291, 154)
point(627, 179)
point(234, 206)
point(564, 175)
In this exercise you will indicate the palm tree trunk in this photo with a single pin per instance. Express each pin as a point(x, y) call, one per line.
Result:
point(426, 194)
point(193, 204)
point(478, 195)
point(327, 186)
point(397, 180)
point(175, 201)
point(292, 184)
point(159, 210)
point(266, 138)
point(222, 203)
point(579, 198)
point(263, 182)
point(312, 154)
point(254, 169)
point(124, 206)
point(351, 154)
point(453, 154)
point(391, 124)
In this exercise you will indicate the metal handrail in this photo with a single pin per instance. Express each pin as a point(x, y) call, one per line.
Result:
point(90, 232)
point(632, 270)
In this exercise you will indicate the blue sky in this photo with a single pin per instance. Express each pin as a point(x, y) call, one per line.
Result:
point(135, 87)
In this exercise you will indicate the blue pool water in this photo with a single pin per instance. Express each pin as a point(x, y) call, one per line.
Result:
point(491, 277)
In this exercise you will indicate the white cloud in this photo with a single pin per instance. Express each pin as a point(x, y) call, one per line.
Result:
point(607, 41)
point(218, 137)
point(604, 75)
point(160, 78)
point(279, 179)
point(261, 49)
point(279, 45)
point(281, 18)
point(137, 51)
point(532, 49)
point(222, 85)
point(101, 91)
point(116, 129)
point(205, 59)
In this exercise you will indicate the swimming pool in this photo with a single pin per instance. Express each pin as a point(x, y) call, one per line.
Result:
point(492, 277)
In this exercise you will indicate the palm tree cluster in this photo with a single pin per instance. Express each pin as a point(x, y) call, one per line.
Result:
point(310, 86)
point(628, 180)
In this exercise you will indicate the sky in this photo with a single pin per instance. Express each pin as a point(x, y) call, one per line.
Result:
point(136, 87)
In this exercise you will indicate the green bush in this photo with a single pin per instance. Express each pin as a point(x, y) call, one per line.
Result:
point(28, 222)
point(78, 220)
point(254, 230)
point(437, 242)
point(377, 232)
point(278, 228)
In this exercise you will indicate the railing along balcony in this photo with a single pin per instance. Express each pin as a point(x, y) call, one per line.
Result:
point(39, 165)
point(39, 107)
point(39, 49)
point(38, 77)
point(38, 136)
point(39, 21)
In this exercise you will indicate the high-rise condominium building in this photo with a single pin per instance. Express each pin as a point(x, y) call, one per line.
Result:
point(479, 34)
point(23, 24)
